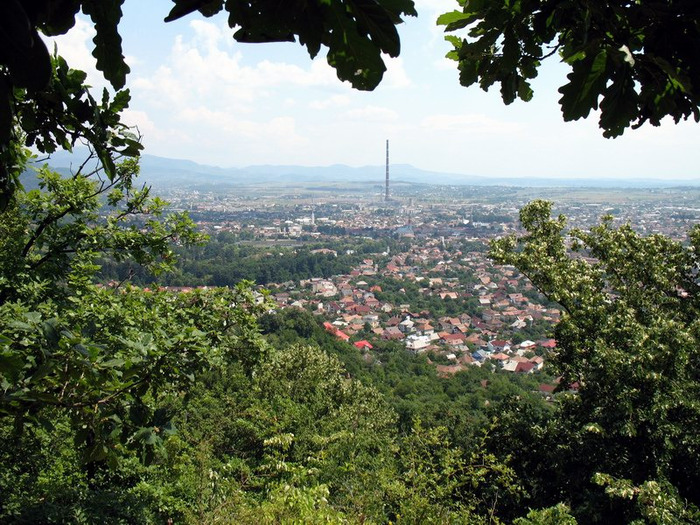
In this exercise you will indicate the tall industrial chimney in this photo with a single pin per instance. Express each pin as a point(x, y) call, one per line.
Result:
point(386, 194)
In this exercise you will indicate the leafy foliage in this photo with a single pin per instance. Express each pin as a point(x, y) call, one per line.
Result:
point(57, 111)
point(223, 262)
point(103, 357)
point(557, 515)
point(636, 62)
point(441, 482)
point(657, 502)
point(629, 338)
point(356, 32)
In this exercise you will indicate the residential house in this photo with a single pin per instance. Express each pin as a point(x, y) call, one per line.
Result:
point(392, 333)
point(417, 343)
point(499, 345)
point(363, 345)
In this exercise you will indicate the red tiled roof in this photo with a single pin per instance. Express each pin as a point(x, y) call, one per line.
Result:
point(524, 367)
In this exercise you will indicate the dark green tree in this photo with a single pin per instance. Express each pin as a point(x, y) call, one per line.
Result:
point(629, 339)
point(102, 357)
point(636, 61)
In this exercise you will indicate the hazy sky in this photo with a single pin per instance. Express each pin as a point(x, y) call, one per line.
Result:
point(199, 95)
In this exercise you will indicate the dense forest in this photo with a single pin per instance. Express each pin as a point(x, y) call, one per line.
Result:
point(225, 261)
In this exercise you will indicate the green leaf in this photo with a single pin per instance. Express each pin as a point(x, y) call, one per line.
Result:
point(354, 57)
point(186, 7)
point(108, 42)
point(81, 349)
point(10, 364)
point(619, 105)
point(113, 363)
point(524, 90)
point(51, 333)
point(452, 17)
point(53, 21)
point(96, 452)
point(33, 317)
point(120, 101)
point(146, 436)
point(373, 18)
point(586, 82)
point(468, 72)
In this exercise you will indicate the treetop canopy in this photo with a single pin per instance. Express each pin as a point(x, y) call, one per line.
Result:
point(635, 61)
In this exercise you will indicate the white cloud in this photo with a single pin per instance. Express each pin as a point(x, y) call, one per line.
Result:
point(470, 123)
point(138, 119)
point(669, 134)
point(207, 34)
point(204, 69)
point(395, 76)
point(229, 128)
point(219, 102)
point(336, 101)
point(436, 6)
point(211, 91)
point(372, 114)
point(446, 64)
point(153, 134)
point(428, 12)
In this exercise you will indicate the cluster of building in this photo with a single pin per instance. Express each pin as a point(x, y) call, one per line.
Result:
point(502, 305)
point(434, 210)
point(501, 321)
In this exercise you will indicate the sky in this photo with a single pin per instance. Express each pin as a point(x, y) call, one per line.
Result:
point(199, 95)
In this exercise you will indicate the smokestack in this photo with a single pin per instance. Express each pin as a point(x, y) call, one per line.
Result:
point(386, 194)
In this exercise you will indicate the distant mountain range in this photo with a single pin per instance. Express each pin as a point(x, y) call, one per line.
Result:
point(164, 172)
